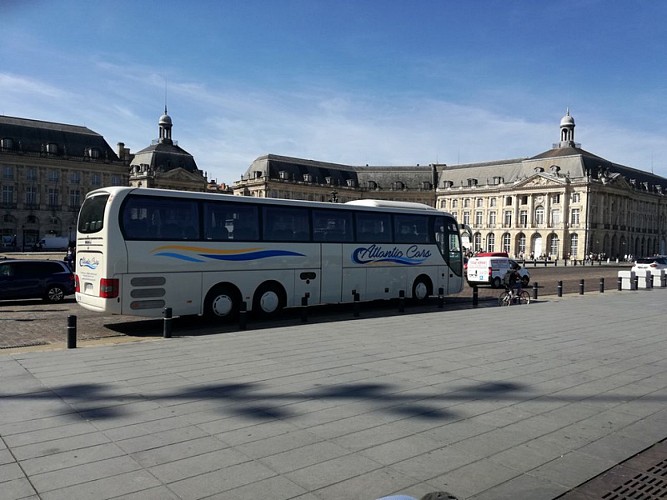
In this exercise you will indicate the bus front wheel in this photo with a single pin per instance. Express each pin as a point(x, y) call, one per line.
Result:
point(222, 302)
point(269, 299)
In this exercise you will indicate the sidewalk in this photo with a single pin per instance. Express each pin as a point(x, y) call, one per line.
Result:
point(524, 402)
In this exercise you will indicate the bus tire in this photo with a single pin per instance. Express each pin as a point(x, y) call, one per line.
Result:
point(421, 288)
point(222, 303)
point(269, 299)
point(496, 282)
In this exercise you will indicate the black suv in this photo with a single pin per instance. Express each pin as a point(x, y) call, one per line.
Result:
point(50, 280)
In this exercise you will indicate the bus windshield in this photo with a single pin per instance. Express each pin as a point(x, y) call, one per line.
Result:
point(91, 216)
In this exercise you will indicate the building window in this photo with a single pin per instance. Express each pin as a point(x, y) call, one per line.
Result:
point(31, 174)
point(53, 197)
point(574, 245)
point(466, 203)
point(477, 242)
point(555, 217)
point(492, 202)
point(491, 242)
point(75, 198)
point(54, 175)
point(507, 221)
point(455, 203)
point(95, 179)
point(576, 197)
point(539, 215)
point(492, 218)
point(7, 195)
point(466, 217)
point(553, 249)
point(522, 244)
point(556, 198)
point(574, 217)
point(31, 195)
point(523, 218)
point(115, 180)
point(8, 172)
point(507, 243)
point(479, 218)
point(508, 201)
point(75, 177)
point(524, 200)
point(479, 202)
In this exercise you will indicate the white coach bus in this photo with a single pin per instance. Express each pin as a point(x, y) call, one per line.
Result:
point(140, 250)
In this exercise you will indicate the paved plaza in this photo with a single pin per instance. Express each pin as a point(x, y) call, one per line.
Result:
point(525, 402)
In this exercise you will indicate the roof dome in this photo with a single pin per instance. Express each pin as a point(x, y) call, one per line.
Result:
point(567, 120)
point(165, 119)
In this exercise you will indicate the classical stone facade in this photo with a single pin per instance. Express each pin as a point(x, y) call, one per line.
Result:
point(46, 171)
point(562, 203)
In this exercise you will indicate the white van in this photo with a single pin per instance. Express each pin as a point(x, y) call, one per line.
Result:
point(490, 269)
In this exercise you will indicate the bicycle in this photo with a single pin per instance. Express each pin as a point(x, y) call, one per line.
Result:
point(513, 296)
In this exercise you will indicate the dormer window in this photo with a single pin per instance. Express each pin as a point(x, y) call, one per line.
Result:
point(555, 169)
point(498, 180)
point(94, 153)
point(307, 178)
point(427, 186)
point(328, 180)
point(283, 175)
point(372, 185)
point(397, 186)
point(472, 182)
point(52, 148)
point(7, 144)
point(258, 174)
point(351, 183)
point(538, 170)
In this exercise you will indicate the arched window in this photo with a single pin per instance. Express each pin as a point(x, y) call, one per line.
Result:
point(477, 242)
point(574, 244)
point(491, 242)
point(507, 243)
point(522, 243)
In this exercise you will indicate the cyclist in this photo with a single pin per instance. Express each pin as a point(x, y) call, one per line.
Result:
point(512, 281)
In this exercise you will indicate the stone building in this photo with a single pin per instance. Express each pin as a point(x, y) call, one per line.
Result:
point(165, 165)
point(561, 203)
point(46, 170)
point(274, 176)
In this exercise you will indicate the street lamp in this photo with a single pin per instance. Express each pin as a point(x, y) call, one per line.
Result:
point(334, 197)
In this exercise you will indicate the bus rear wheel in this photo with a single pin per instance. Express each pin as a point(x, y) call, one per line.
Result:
point(222, 303)
point(269, 300)
point(421, 289)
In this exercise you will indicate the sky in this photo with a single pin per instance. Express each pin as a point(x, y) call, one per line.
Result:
point(356, 82)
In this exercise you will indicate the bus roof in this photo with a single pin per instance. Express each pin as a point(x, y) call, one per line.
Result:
point(390, 204)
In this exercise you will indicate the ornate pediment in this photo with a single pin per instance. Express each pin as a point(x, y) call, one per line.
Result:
point(541, 180)
point(180, 174)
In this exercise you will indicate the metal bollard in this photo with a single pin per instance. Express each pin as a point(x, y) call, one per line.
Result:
point(560, 289)
point(401, 301)
point(166, 323)
point(355, 308)
point(441, 298)
point(243, 315)
point(304, 308)
point(635, 283)
point(649, 282)
point(475, 296)
point(601, 285)
point(535, 290)
point(71, 332)
point(619, 283)
point(581, 286)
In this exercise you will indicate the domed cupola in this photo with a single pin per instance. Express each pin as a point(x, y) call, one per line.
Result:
point(567, 130)
point(165, 125)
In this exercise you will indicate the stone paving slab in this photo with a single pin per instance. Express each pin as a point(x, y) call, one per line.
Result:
point(491, 403)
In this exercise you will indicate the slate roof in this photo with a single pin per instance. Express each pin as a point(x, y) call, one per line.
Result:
point(163, 157)
point(32, 136)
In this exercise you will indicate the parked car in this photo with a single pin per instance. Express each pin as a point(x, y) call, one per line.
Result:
point(50, 280)
point(644, 264)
